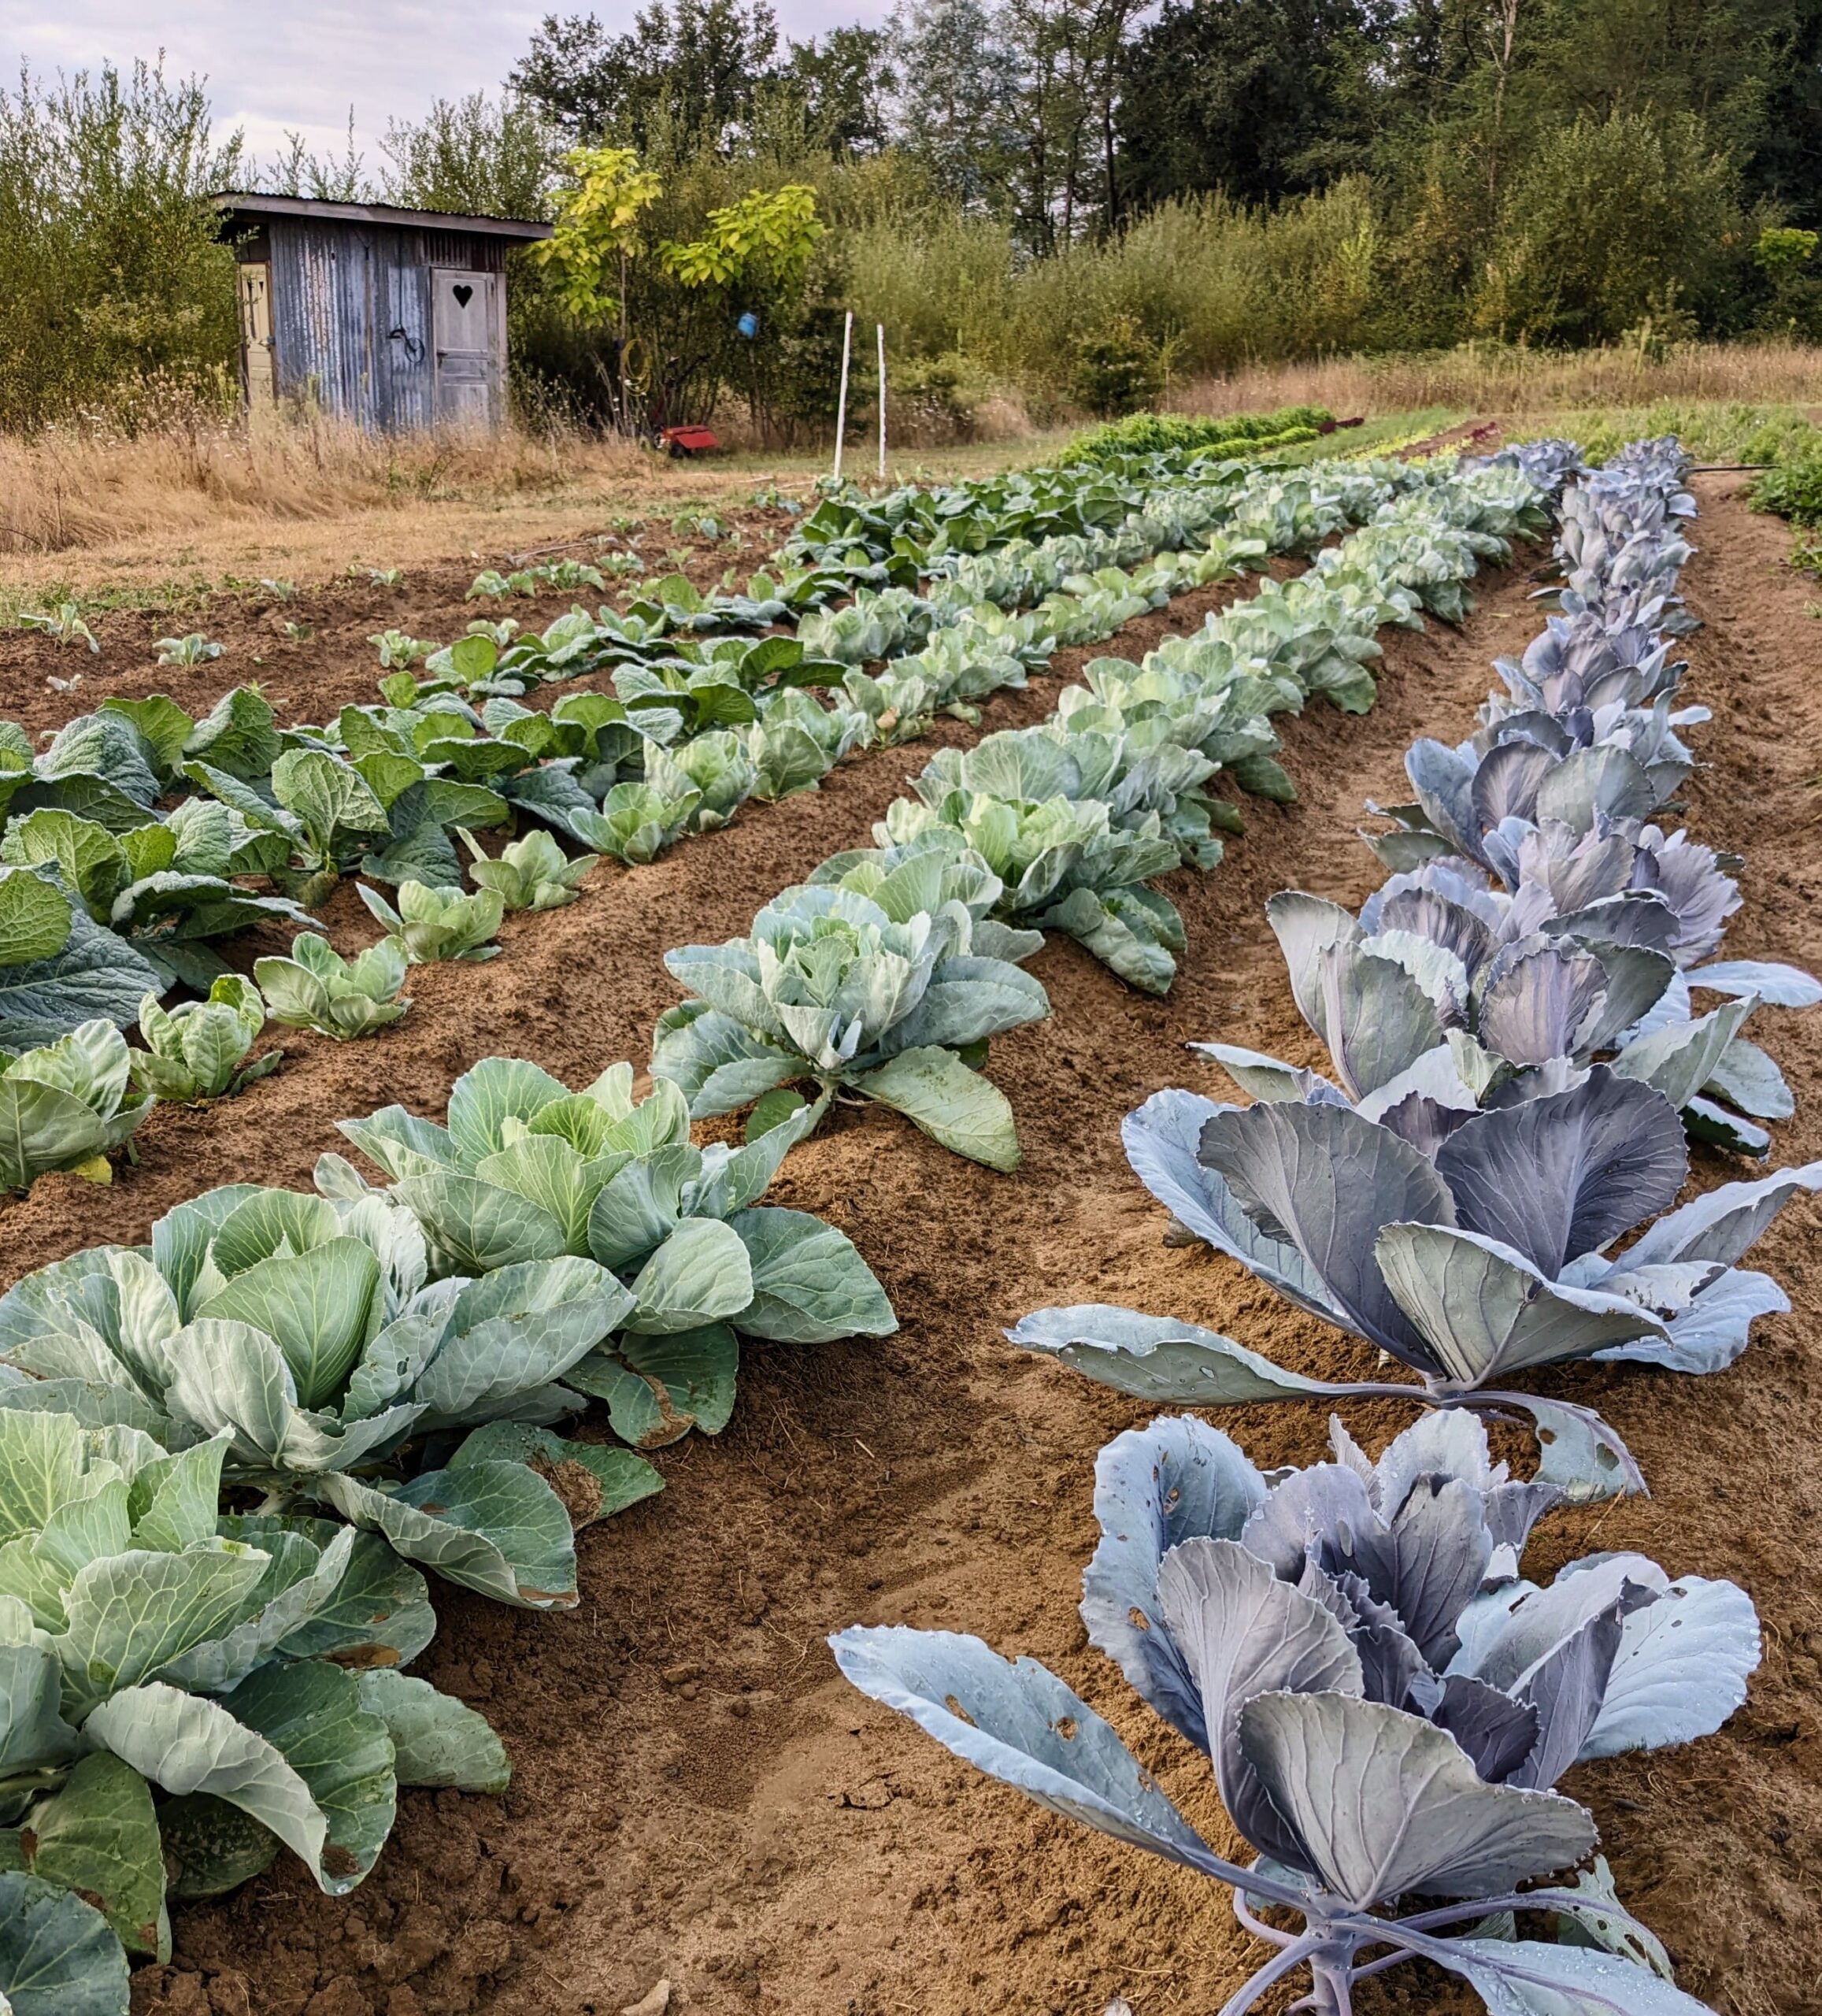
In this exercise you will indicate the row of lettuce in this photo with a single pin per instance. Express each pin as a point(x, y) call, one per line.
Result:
point(370, 1376)
point(1518, 1067)
point(106, 899)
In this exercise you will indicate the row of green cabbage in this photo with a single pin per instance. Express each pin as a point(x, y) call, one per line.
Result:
point(1073, 817)
point(382, 1367)
point(227, 1458)
point(623, 774)
point(106, 891)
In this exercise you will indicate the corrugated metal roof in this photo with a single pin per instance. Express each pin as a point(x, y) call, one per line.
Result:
point(236, 202)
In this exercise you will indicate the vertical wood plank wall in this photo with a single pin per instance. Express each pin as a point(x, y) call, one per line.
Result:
point(351, 314)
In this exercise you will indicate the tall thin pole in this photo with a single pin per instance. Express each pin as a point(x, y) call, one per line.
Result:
point(879, 330)
point(625, 390)
point(842, 399)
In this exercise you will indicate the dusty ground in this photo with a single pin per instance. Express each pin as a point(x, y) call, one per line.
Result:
point(163, 517)
point(698, 1798)
point(310, 650)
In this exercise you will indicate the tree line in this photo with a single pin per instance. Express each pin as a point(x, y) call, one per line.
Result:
point(1048, 195)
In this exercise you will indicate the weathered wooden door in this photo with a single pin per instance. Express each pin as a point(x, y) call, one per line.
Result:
point(257, 371)
point(468, 329)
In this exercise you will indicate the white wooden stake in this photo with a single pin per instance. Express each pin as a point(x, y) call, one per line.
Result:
point(841, 398)
point(879, 329)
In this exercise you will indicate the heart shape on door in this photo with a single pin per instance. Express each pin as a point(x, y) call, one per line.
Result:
point(464, 294)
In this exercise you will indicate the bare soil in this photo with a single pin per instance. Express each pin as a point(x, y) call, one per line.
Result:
point(311, 652)
point(698, 1798)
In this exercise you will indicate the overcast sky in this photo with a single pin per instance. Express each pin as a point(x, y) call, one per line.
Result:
point(300, 66)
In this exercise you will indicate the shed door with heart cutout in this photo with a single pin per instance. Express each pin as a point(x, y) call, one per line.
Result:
point(470, 344)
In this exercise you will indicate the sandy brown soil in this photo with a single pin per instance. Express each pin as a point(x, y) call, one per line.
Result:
point(698, 1798)
point(309, 652)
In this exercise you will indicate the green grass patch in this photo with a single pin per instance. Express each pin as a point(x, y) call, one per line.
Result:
point(174, 596)
point(1713, 430)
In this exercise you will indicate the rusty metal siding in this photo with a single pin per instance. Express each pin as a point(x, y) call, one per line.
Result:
point(351, 315)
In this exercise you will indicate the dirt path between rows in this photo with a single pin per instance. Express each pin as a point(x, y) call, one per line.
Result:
point(697, 1797)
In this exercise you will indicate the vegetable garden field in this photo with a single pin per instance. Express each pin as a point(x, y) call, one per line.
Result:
point(926, 861)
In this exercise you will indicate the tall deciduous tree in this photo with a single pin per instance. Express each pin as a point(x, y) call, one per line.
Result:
point(954, 111)
point(843, 81)
point(477, 155)
point(1260, 98)
point(689, 67)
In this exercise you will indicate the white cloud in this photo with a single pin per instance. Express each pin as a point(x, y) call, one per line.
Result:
point(301, 67)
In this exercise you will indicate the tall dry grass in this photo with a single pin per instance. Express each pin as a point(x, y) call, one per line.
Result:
point(194, 475)
point(218, 489)
point(1512, 382)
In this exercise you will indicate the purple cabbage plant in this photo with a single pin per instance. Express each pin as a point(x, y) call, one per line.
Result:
point(1469, 1247)
point(1446, 986)
point(1517, 1063)
point(1385, 1702)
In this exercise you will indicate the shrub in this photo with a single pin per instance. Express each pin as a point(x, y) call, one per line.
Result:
point(114, 289)
point(1116, 370)
point(1793, 490)
point(1609, 224)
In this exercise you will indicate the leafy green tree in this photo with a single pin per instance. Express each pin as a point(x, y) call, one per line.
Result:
point(474, 156)
point(1610, 222)
point(954, 116)
point(1260, 98)
point(115, 289)
point(693, 68)
point(1786, 257)
point(676, 276)
point(841, 81)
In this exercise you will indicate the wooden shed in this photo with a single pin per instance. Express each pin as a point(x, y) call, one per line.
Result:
point(395, 318)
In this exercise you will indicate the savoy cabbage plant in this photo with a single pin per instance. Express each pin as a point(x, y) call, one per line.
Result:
point(165, 886)
point(528, 1176)
point(1385, 1702)
point(873, 994)
point(182, 1693)
point(58, 968)
point(1467, 1246)
point(306, 1330)
point(321, 812)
